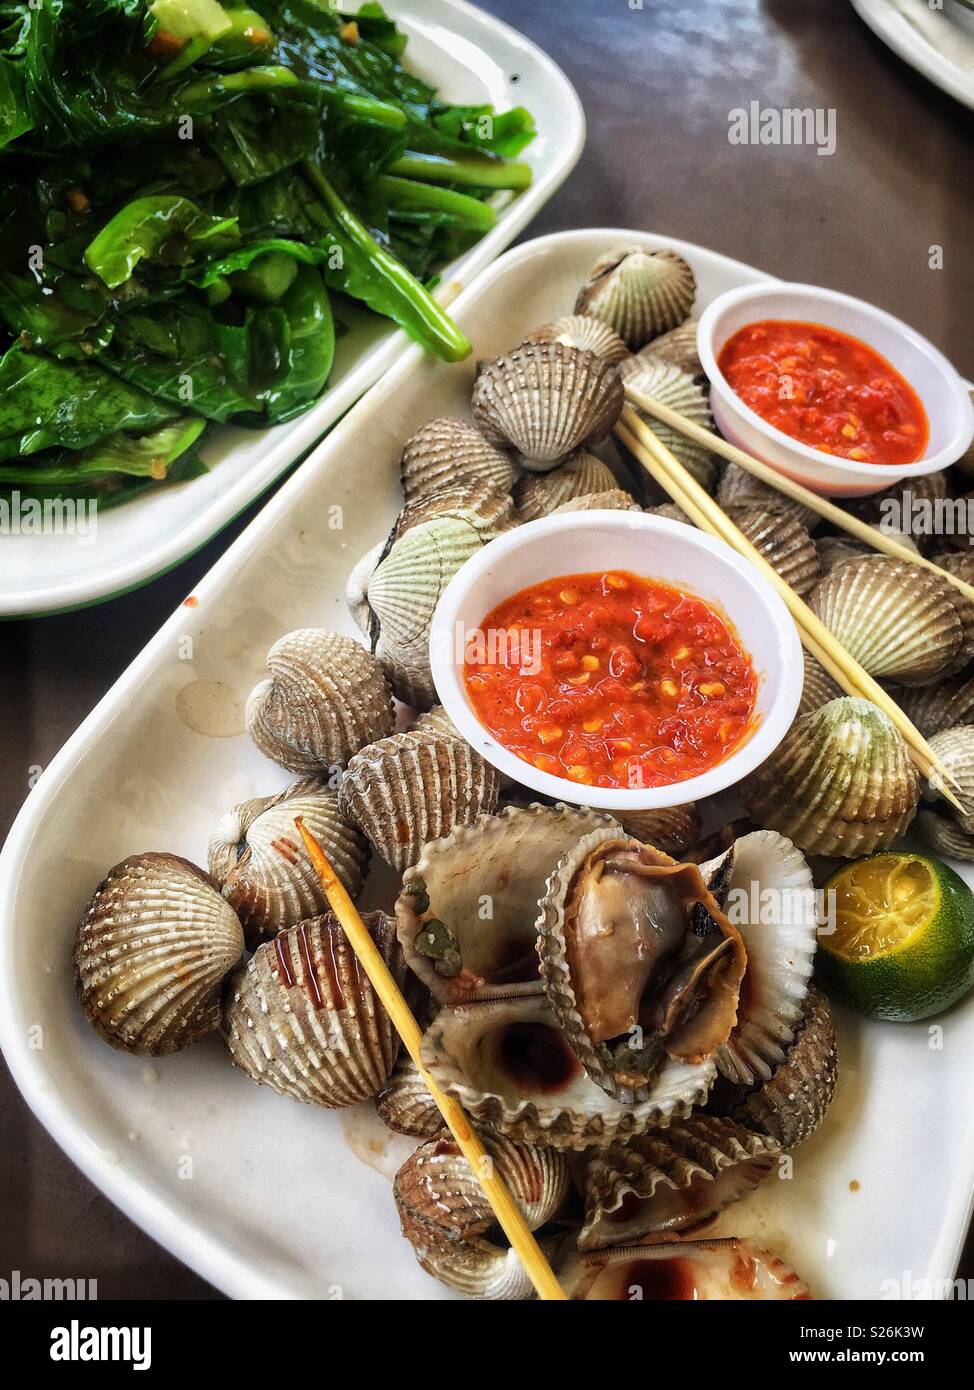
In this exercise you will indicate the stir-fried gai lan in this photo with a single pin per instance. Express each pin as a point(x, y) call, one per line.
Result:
point(184, 184)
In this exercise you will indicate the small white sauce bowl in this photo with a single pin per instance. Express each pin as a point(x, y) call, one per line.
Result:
point(651, 547)
point(944, 394)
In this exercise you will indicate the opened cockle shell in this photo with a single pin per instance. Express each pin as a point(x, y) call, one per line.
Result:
point(405, 1103)
point(325, 698)
point(955, 749)
point(678, 347)
point(538, 494)
point(818, 687)
point(738, 488)
point(467, 913)
point(151, 953)
point(411, 788)
point(784, 542)
point(841, 782)
point(301, 1015)
point(764, 885)
point(640, 293)
point(229, 838)
point(944, 835)
point(451, 453)
point(547, 400)
point(897, 619)
point(638, 961)
point(729, 1270)
point(614, 500)
point(446, 1217)
point(670, 1179)
point(582, 331)
point(790, 1106)
point(508, 1064)
point(933, 708)
point(673, 829)
point(271, 884)
point(681, 392)
point(403, 593)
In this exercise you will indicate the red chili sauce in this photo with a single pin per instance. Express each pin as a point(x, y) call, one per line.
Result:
point(611, 680)
point(827, 390)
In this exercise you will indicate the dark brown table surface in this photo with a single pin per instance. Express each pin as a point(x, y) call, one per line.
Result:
point(657, 85)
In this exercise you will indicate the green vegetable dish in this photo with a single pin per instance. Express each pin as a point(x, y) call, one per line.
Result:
point(191, 195)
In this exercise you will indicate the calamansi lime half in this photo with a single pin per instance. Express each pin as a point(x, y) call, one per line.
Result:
point(903, 946)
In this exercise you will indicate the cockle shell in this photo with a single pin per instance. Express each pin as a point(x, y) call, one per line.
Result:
point(738, 488)
point(944, 835)
point(151, 953)
point(448, 453)
point(681, 392)
point(508, 1064)
point(482, 885)
point(479, 504)
point(357, 589)
point(626, 1061)
point(403, 593)
point(764, 884)
point(228, 841)
point(792, 1104)
point(538, 494)
point(933, 708)
point(449, 1222)
point(818, 688)
point(302, 1017)
point(325, 698)
point(905, 508)
point(896, 619)
point(729, 1270)
point(436, 721)
point(405, 1103)
point(641, 294)
point(678, 347)
point(841, 782)
point(784, 542)
point(670, 1179)
point(271, 884)
point(613, 500)
point(411, 788)
point(673, 829)
point(670, 512)
point(547, 400)
point(955, 749)
point(836, 550)
point(583, 332)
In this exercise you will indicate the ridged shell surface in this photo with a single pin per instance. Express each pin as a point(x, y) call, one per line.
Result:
point(357, 589)
point(841, 782)
point(405, 1103)
point(673, 829)
point(151, 953)
point(790, 1106)
point(681, 392)
point(764, 884)
point(583, 332)
point(818, 688)
point(444, 453)
point(229, 838)
point(614, 500)
point(507, 1063)
point(325, 699)
point(944, 835)
point(955, 749)
point(546, 401)
point(447, 1219)
point(933, 708)
point(479, 504)
point(678, 347)
point(641, 294)
point(896, 619)
point(484, 882)
point(727, 1270)
point(538, 494)
point(785, 544)
point(302, 1017)
point(411, 788)
point(670, 1179)
point(738, 488)
point(272, 885)
point(436, 721)
point(905, 507)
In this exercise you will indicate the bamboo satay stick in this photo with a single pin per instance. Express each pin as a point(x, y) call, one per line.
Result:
point(684, 489)
point(508, 1213)
point(826, 509)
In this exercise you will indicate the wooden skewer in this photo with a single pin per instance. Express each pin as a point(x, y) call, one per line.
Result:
point(670, 473)
point(508, 1213)
point(826, 509)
